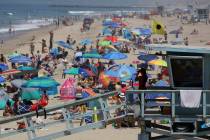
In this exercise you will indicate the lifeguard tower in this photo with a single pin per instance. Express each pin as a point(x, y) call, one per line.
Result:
point(189, 69)
point(202, 14)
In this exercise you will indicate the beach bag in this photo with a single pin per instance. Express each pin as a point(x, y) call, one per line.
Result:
point(22, 108)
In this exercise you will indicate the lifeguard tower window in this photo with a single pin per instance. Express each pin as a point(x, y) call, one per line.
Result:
point(187, 72)
point(203, 14)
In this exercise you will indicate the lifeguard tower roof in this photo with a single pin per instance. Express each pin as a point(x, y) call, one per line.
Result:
point(178, 48)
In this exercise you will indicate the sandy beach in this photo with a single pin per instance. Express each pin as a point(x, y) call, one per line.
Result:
point(21, 44)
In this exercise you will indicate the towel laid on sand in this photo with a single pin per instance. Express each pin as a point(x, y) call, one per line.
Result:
point(190, 98)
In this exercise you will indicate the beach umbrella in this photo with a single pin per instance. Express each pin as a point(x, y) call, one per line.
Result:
point(147, 57)
point(117, 43)
point(123, 72)
point(86, 42)
point(142, 31)
point(72, 71)
point(3, 99)
point(3, 67)
point(104, 43)
point(2, 79)
point(78, 71)
point(14, 55)
point(158, 62)
point(92, 55)
point(18, 82)
point(111, 38)
point(115, 56)
point(41, 82)
point(26, 68)
point(20, 59)
point(106, 31)
point(30, 94)
point(9, 72)
point(64, 44)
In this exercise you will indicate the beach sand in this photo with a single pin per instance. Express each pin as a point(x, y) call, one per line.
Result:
point(22, 43)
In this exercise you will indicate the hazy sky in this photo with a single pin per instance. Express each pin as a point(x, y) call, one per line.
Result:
point(109, 2)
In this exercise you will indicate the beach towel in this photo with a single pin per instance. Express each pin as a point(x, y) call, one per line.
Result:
point(190, 98)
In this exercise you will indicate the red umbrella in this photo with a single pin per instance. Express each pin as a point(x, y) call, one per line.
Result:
point(111, 38)
point(8, 72)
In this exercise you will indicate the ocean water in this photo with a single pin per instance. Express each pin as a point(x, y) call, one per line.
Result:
point(26, 16)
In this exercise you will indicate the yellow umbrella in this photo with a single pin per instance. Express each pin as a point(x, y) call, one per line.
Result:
point(158, 62)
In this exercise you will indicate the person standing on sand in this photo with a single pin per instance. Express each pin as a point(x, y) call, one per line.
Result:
point(32, 48)
point(44, 45)
point(186, 41)
point(51, 40)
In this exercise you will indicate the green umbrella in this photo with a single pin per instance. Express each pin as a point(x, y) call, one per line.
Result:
point(26, 68)
point(92, 55)
point(41, 82)
point(104, 43)
point(30, 94)
point(72, 71)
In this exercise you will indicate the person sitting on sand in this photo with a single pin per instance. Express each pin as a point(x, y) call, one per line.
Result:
point(8, 111)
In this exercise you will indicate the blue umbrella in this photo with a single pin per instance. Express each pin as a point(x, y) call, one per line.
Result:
point(26, 68)
point(3, 67)
point(115, 56)
point(142, 31)
point(117, 43)
point(124, 72)
point(106, 31)
point(86, 42)
point(147, 57)
point(64, 44)
point(20, 59)
point(2, 80)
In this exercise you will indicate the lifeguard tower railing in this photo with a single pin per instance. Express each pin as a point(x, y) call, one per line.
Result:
point(95, 118)
point(150, 115)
